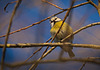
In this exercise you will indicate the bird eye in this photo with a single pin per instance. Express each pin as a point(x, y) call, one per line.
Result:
point(52, 21)
point(55, 18)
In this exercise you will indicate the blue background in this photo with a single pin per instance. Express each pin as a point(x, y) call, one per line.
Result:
point(32, 11)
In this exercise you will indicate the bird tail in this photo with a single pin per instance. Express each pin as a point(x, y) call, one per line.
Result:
point(71, 54)
point(69, 50)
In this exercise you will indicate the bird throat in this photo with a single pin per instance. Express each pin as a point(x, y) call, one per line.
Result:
point(53, 23)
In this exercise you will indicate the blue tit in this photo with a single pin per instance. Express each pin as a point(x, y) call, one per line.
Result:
point(64, 31)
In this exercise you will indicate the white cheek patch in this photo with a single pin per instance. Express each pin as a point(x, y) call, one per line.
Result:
point(58, 19)
point(53, 18)
point(52, 24)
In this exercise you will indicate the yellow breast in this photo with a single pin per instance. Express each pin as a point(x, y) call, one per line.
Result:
point(64, 31)
point(57, 25)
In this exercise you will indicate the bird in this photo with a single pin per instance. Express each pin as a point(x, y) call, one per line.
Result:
point(64, 31)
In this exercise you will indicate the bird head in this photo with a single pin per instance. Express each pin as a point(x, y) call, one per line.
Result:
point(53, 20)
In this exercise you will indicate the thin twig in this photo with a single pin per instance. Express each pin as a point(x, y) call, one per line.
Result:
point(36, 63)
point(8, 4)
point(44, 19)
point(58, 30)
point(54, 37)
point(8, 31)
point(90, 60)
point(58, 44)
point(82, 28)
point(45, 50)
point(33, 54)
point(37, 50)
point(86, 61)
point(53, 4)
point(82, 66)
point(99, 7)
point(93, 4)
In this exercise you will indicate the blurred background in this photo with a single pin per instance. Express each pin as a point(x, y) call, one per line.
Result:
point(32, 11)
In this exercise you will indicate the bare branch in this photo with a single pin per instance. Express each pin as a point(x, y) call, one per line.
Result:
point(88, 60)
point(36, 63)
point(93, 4)
point(99, 7)
point(8, 4)
point(53, 4)
point(82, 66)
point(37, 51)
point(7, 34)
point(28, 45)
point(82, 28)
point(53, 45)
point(44, 19)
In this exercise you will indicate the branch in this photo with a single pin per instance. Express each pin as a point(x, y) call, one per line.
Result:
point(82, 28)
point(37, 62)
point(82, 66)
point(46, 53)
point(93, 4)
point(28, 45)
point(7, 34)
point(8, 4)
point(24, 28)
point(88, 60)
point(53, 4)
point(37, 51)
